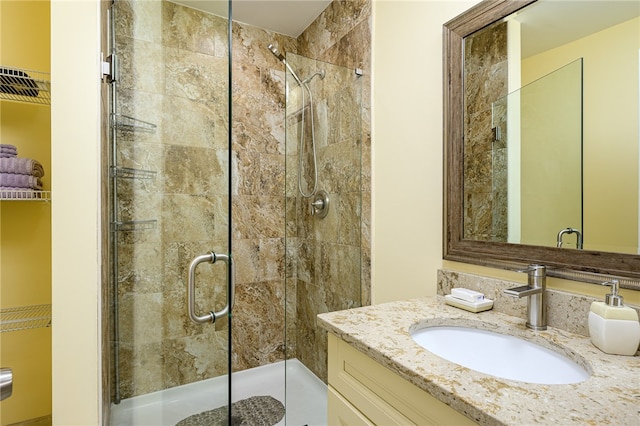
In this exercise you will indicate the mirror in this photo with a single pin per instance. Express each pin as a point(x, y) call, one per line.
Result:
point(483, 37)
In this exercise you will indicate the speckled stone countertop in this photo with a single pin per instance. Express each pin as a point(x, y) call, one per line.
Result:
point(611, 396)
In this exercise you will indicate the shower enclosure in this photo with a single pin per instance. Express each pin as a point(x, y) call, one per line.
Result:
point(188, 179)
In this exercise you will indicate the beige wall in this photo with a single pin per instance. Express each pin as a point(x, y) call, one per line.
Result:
point(75, 156)
point(407, 146)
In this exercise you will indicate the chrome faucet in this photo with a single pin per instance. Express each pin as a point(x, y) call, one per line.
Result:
point(535, 291)
point(571, 231)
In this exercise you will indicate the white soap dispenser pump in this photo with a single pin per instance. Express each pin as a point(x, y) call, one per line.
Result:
point(613, 327)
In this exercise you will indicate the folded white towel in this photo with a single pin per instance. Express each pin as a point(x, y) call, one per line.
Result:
point(467, 295)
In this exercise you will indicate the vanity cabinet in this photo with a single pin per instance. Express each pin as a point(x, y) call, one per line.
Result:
point(363, 392)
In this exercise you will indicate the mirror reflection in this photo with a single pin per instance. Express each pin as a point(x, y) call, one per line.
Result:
point(551, 127)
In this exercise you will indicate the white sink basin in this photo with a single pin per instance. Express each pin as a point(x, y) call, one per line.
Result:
point(500, 355)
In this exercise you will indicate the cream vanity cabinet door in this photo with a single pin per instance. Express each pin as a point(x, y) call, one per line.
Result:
point(363, 392)
point(342, 413)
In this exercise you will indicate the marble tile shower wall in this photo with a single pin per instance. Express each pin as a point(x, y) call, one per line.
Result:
point(342, 35)
point(333, 254)
point(258, 197)
point(171, 58)
point(485, 186)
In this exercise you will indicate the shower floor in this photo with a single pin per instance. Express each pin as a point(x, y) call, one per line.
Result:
point(306, 402)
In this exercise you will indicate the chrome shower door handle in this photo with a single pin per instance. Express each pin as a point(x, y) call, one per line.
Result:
point(211, 257)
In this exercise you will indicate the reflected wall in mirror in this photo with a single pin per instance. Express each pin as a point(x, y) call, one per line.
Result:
point(541, 134)
point(523, 153)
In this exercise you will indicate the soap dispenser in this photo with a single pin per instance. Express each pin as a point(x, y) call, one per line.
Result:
point(613, 327)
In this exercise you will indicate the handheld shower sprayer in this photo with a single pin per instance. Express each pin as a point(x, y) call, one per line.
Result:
point(276, 52)
point(282, 59)
point(305, 86)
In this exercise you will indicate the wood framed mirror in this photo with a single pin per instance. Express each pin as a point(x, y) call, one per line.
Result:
point(577, 264)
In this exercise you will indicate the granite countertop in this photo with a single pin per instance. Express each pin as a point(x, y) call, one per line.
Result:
point(611, 396)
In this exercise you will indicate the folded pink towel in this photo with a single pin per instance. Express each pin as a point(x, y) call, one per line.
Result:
point(3, 155)
point(21, 166)
point(20, 181)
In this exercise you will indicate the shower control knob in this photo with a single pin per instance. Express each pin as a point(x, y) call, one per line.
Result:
point(320, 205)
point(316, 206)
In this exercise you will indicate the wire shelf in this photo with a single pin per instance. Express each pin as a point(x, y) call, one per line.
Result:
point(130, 124)
point(23, 85)
point(25, 317)
point(129, 173)
point(24, 195)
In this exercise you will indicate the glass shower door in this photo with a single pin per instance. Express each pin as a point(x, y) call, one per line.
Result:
point(323, 218)
point(537, 160)
point(170, 214)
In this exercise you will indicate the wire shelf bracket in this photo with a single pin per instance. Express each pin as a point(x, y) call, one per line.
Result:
point(25, 317)
point(134, 225)
point(129, 173)
point(130, 124)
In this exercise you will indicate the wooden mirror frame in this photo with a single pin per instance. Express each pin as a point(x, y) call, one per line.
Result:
point(581, 265)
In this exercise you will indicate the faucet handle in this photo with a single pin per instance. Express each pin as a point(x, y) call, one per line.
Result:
point(535, 268)
point(522, 291)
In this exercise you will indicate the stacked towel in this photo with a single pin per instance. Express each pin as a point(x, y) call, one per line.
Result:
point(7, 151)
point(21, 166)
point(18, 173)
point(13, 180)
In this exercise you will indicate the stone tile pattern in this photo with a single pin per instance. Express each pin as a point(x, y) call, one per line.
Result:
point(608, 397)
point(333, 265)
point(485, 167)
point(171, 58)
point(342, 35)
point(258, 141)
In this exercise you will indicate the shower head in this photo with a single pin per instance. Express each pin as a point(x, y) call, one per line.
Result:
point(282, 59)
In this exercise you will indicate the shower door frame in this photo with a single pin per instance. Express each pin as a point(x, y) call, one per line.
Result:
point(111, 174)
